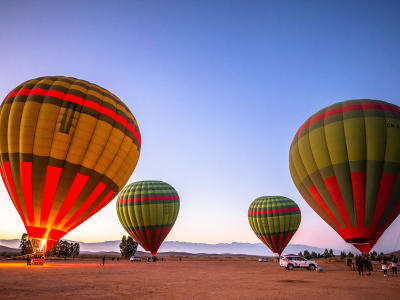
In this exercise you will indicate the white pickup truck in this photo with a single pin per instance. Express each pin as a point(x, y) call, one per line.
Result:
point(293, 261)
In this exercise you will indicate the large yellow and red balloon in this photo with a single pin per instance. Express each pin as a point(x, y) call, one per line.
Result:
point(67, 147)
point(345, 162)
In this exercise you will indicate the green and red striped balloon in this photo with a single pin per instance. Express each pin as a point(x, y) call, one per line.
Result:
point(345, 162)
point(148, 210)
point(274, 219)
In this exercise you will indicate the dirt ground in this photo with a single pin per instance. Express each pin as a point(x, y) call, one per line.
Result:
point(189, 279)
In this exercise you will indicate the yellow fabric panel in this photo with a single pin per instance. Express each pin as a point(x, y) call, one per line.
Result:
point(14, 122)
point(319, 148)
point(293, 171)
point(5, 111)
point(110, 151)
point(121, 158)
point(336, 143)
point(100, 138)
point(298, 163)
point(127, 113)
point(130, 165)
point(392, 141)
point(28, 126)
point(355, 138)
point(306, 154)
point(78, 88)
point(81, 139)
point(375, 138)
point(45, 129)
point(62, 140)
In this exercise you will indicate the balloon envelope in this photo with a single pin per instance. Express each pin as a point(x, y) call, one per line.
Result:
point(345, 162)
point(148, 210)
point(67, 147)
point(274, 219)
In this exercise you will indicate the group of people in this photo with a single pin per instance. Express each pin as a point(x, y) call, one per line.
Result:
point(363, 263)
point(385, 266)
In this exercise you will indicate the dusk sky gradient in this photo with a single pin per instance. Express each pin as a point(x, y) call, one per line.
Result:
point(219, 88)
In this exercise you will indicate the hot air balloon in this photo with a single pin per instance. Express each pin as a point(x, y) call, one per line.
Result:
point(67, 147)
point(148, 210)
point(274, 219)
point(345, 162)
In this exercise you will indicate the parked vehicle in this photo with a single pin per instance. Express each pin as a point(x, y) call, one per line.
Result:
point(135, 258)
point(263, 260)
point(294, 261)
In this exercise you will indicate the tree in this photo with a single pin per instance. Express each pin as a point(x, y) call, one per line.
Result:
point(128, 247)
point(75, 249)
point(314, 254)
point(331, 253)
point(300, 254)
point(64, 249)
point(326, 253)
point(350, 254)
point(25, 244)
point(307, 254)
point(343, 255)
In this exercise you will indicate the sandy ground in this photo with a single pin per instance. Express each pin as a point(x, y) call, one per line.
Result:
point(191, 279)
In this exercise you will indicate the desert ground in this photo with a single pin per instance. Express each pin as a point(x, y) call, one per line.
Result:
point(189, 279)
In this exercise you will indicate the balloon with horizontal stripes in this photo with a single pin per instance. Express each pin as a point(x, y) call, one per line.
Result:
point(67, 147)
point(147, 210)
point(345, 162)
point(274, 219)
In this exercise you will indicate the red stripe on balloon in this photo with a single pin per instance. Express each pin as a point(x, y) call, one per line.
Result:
point(280, 243)
point(26, 181)
point(273, 239)
point(93, 196)
point(288, 236)
point(166, 231)
point(155, 244)
point(76, 188)
point(333, 188)
point(265, 239)
point(148, 237)
point(273, 211)
point(358, 180)
point(50, 186)
point(347, 108)
point(8, 175)
point(144, 199)
point(321, 203)
point(385, 190)
point(83, 102)
point(5, 182)
point(141, 239)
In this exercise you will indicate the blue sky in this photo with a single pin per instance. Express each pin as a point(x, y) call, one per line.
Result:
point(219, 89)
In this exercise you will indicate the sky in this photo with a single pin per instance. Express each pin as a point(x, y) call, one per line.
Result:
point(219, 88)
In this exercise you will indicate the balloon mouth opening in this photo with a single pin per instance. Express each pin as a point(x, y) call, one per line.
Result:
point(362, 244)
point(38, 245)
point(154, 253)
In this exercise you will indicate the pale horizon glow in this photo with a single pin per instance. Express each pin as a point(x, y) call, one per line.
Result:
point(219, 88)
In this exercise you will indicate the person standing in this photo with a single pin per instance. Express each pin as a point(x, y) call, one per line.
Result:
point(394, 265)
point(360, 265)
point(103, 260)
point(384, 267)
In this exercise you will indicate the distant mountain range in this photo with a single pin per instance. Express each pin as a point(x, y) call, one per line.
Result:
point(195, 248)
point(257, 249)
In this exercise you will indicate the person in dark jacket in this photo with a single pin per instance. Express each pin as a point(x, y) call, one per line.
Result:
point(360, 265)
point(394, 265)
